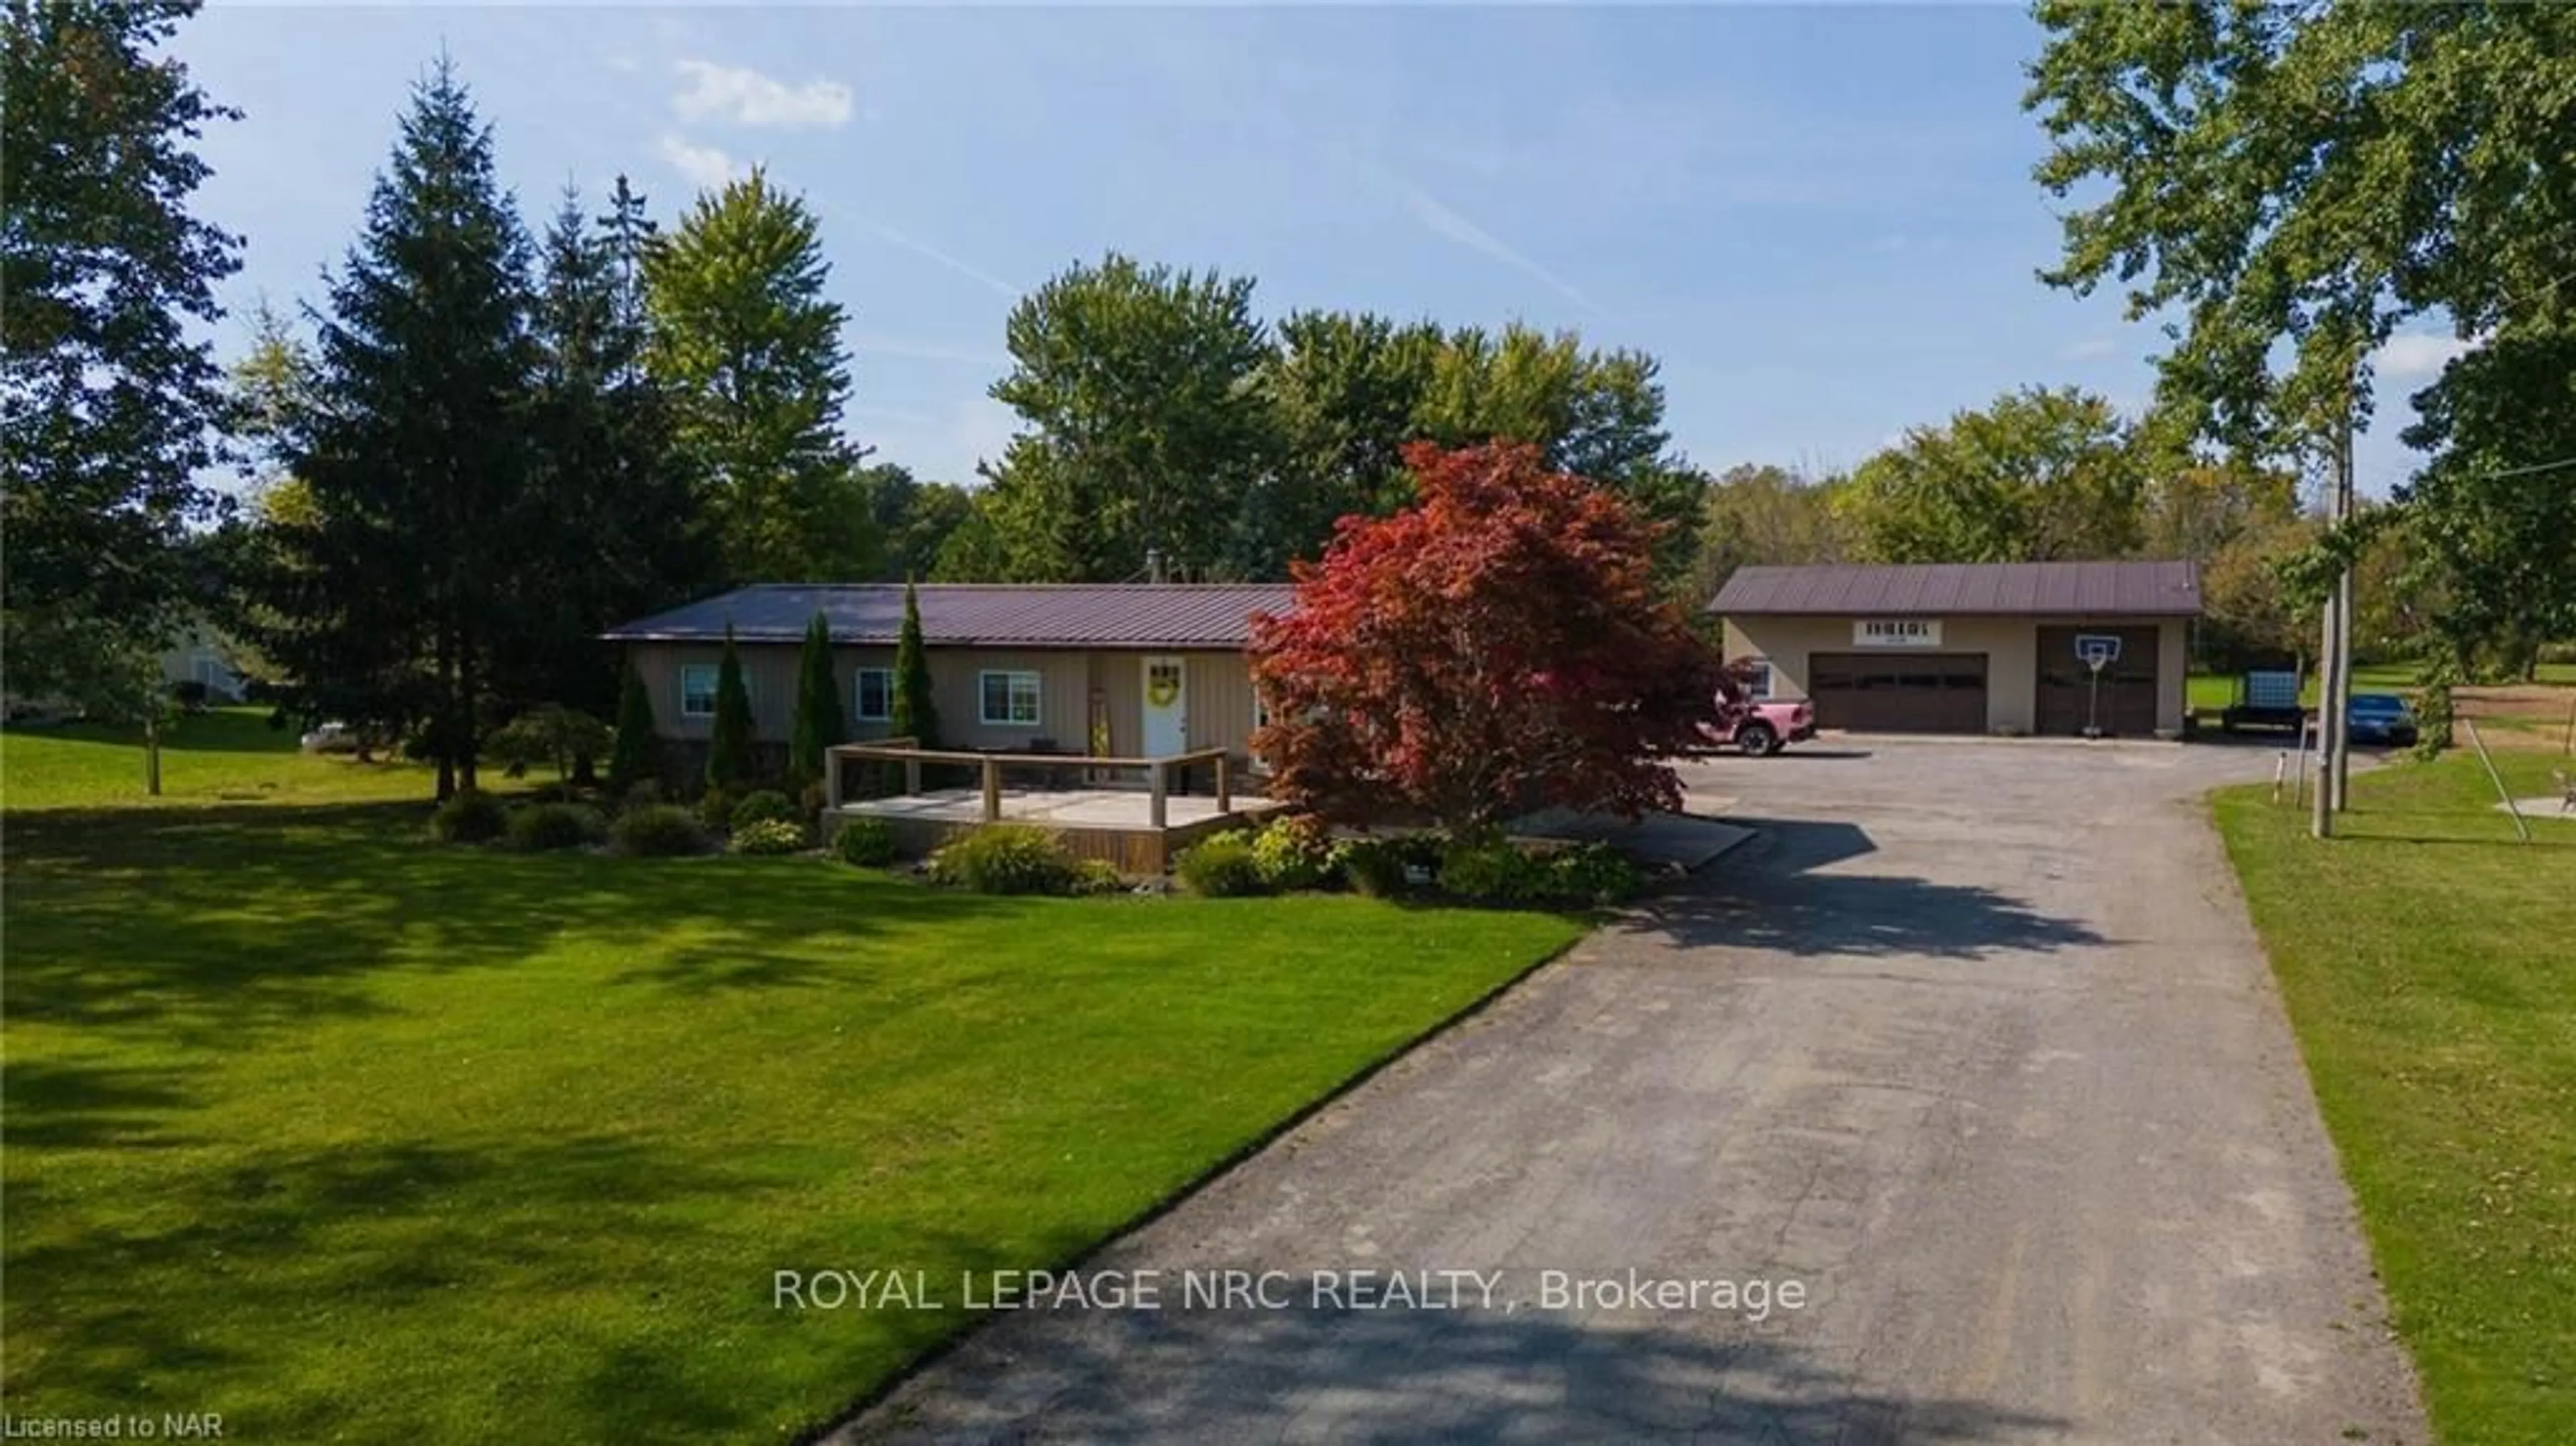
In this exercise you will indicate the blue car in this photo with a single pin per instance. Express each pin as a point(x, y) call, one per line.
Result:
point(2380, 718)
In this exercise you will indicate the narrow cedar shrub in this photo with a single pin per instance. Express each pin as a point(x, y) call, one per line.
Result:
point(768, 836)
point(765, 805)
point(472, 816)
point(1222, 867)
point(818, 723)
point(729, 760)
point(635, 755)
point(542, 827)
point(657, 831)
point(866, 842)
point(1007, 858)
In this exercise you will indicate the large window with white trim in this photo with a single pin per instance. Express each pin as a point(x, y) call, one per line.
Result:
point(697, 690)
point(1010, 698)
point(875, 695)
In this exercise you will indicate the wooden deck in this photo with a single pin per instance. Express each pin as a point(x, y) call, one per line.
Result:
point(1114, 824)
point(1138, 831)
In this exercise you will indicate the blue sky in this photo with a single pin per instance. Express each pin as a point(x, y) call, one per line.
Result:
point(1820, 219)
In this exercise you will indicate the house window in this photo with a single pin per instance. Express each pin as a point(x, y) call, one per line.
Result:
point(1010, 699)
point(1757, 679)
point(698, 690)
point(876, 695)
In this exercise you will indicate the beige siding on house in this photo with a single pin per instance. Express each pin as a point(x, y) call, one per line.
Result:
point(2011, 646)
point(1219, 683)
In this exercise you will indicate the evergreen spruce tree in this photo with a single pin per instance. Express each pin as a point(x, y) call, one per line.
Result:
point(729, 756)
point(819, 723)
point(416, 453)
point(636, 757)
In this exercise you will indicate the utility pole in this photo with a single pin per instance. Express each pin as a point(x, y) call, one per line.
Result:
point(2343, 615)
point(2334, 692)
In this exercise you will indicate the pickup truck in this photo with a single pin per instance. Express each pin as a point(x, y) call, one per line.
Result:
point(1759, 726)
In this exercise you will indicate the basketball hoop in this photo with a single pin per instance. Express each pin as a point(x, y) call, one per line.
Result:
point(2097, 651)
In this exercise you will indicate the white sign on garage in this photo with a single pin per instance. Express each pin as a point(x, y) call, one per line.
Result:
point(1896, 632)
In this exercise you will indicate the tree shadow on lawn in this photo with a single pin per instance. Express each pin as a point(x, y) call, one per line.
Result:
point(69, 1105)
point(1473, 1375)
point(220, 925)
point(1770, 896)
point(203, 1303)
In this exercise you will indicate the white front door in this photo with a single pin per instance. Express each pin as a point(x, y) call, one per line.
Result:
point(1167, 706)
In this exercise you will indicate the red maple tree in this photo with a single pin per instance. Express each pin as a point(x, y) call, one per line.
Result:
point(1495, 647)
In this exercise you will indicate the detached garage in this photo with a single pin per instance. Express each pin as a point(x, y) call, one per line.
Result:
point(1972, 648)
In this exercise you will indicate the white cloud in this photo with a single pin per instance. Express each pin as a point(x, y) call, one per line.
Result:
point(1449, 225)
point(997, 285)
point(746, 97)
point(2087, 349)
point(2418, 355)
point(702, 166)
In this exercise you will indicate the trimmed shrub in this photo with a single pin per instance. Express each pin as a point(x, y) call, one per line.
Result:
point(1373, 866)
point(1006, 858)
point(1294, 852)
point(767, 836)
point(1489, 869)
point(1096, 876)
point(1593, 873)
point(545, 826)
point(657, 831)
point(472, 816)
point(766, 805)
point(865, 842)
point(644, 794)
point(715, 810)
point(1222, 867)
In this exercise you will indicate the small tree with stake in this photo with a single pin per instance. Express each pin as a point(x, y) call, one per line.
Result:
point(818, 723)
point(729, 743)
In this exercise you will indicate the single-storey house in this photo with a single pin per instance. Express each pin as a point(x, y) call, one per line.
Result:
point(1971, 648)
point(1103, 669)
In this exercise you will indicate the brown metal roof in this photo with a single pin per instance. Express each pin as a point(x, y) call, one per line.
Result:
point(1997, 589)
point(1044, 615)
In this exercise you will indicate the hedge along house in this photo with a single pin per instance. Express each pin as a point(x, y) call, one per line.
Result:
point(1100, 669)
point(1971, 648)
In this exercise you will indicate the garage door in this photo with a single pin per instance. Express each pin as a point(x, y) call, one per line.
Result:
point(1893, 693)
point(2128, 704)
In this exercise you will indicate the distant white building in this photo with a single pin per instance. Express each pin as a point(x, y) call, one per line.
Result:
point(203, 656)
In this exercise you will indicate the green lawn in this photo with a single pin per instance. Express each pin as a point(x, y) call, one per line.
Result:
point(350, 1137)
point(2426, 959)
point(2211, 692)
point(227, 755)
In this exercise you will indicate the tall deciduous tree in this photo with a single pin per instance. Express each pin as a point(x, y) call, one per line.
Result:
point(730, 760)
point(2291, 183)
point(109, 395)
point(416, 449)
point(2496, 508)
point(818, 725)
point(1765, 515)
point(2038, 475)
point(750, 348)
point(1347, 389)
point(1144, 429)
point(1499, 645)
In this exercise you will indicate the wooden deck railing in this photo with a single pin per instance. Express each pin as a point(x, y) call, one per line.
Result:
point(912, 755)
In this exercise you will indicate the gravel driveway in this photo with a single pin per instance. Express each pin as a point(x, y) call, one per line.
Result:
point(1971, 1052)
